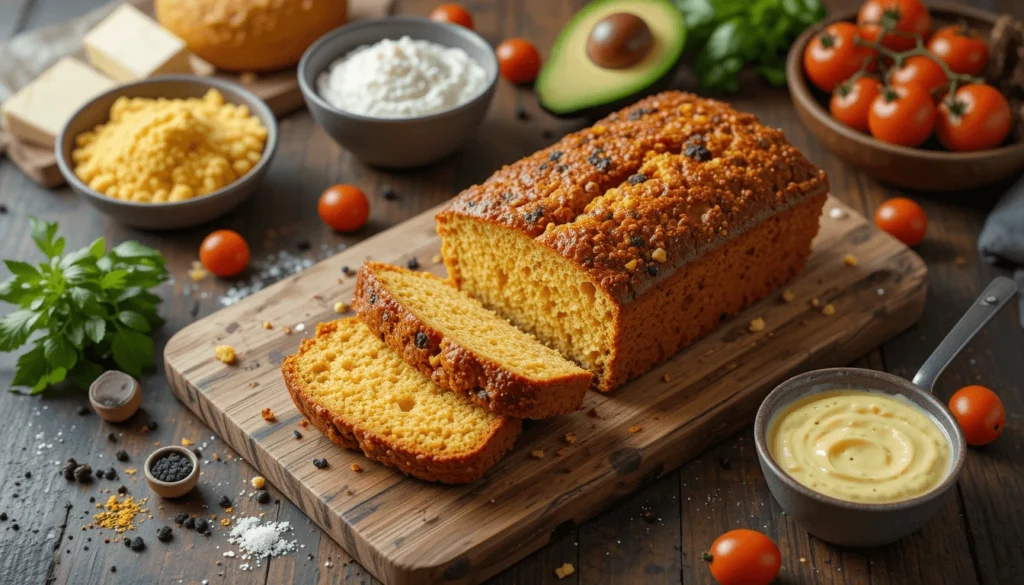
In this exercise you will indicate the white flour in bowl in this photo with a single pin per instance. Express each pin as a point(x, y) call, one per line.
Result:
point(402, 79)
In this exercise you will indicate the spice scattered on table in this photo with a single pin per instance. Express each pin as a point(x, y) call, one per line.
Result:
point(537, 453)
point(828, 310)
point(788, 296)
point(756, 324)
point(171, 468)
point(635, 429)
point(565, 570)
point(258, 482)
point(355, 467)
point(121, 455)
point(320, 463)
point(413, 263)
point(225, 353)
point(137, 544)
point(259, 541)
point(224, 502)
point(268, 415)
point(164, 534)
point(180, 518)
point(850, 260)
point(120, 513)
point(263, 497)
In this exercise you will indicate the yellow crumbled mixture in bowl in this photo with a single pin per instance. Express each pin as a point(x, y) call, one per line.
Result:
point(169, 150)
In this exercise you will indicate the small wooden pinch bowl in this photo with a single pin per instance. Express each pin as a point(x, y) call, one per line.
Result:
point(859, 524)
point(174, 489)
point(926, 168)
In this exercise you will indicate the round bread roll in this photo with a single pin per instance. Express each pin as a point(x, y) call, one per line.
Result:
point(250, 35)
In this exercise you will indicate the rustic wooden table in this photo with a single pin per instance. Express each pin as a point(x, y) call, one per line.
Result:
point(654, 536)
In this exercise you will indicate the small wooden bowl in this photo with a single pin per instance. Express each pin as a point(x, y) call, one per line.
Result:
point(912, 168)
point(174, 489)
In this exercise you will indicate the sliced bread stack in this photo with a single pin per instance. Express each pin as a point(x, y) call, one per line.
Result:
point(426, 379)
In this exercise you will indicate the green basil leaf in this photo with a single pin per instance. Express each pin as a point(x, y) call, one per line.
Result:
point(113, 279)
point(134, 320)
point(85, 373)
point(31, 368)
point(98, 248)
point(59, 351)
point(44, 235)
point(16, 327)
point(95, 328)
point(54, 376)
point(132, 351)
point(76, 333)
point(80, 296)
point(22, 269)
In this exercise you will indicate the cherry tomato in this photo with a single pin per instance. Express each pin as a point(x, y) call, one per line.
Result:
point(744, 557)
point(832, 56)
point(908, 16)
point(519, 60)
point(904, 115)
point(902, 219)
point(343, 207)
point(980, 413)
point(224, 253)
point(976, 118)
point(453, 13)
point(960, 48)
point(922, 70)
point(851, 102)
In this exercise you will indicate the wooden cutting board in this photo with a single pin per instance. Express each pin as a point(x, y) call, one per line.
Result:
point(406, 531)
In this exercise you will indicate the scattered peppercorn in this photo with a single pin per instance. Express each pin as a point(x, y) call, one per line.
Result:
point(724, 463)
point(652, 269)
point(127, 542)
point(522, 115)
point(138, 544)
point(171, 468)
point(152, 425)
point(28, 475)
point(3, 209)
point(224, 502)
point(112, 437)
point(180, 518)
point(320, 463)
point(69, 469)
point(83, 473)
point(389, 194)
point(111, 473)
point(697, 152)
point(15, 526)
point(346, 270)
point(263, 496)
point(303, 245)
point(122, 490)
point(121, 455)
point(296, 434)
point(113, 569)
point(3, 516)
point(83, 410)
point(421, 340)
point(413, 263)
point(202, 525)
point(164, 534)
point(100, 474)
point(189, 523)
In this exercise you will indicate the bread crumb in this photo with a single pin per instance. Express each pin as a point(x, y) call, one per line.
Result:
point(186, 443)
point(225, 521)
point(216, 456)
point(570, 438)
point(828, 310)
point(803, 559)
point(258, 482)
point(225, 353)
point(197, 273)
point(815, 302)
point(635, 429)
point(267, 325)
point(537, 453)
point(565, 570)
point(131, 471)
point(340, 307)
point(437, 259)
point(549, 227)
point(355, 467)
point(304, 423)
point(666, 378)
point(287, 330)
point(659, 255)
point(756, 324)
point(850, 260)
point(788, 296)
point(268, 415)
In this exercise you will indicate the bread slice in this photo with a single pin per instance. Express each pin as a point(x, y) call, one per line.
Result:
point(465, 347)
point(363, 396)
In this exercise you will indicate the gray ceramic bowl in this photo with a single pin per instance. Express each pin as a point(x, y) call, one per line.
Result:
point(180, 214)
point(839, 521)
point(404, 142)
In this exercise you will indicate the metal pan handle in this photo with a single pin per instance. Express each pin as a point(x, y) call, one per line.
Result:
point(998, 292)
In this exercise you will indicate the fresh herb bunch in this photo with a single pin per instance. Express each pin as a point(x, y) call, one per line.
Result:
point(726, 35)
point(91, 307)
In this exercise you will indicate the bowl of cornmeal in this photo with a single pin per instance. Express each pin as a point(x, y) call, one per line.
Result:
point(170, 152)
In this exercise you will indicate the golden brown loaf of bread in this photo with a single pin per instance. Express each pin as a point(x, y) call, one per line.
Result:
point(250, 35)
point(360, 394)
point(464, 347)
point(626, 241)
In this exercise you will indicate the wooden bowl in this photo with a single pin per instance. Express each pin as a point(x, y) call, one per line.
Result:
point(926, 169)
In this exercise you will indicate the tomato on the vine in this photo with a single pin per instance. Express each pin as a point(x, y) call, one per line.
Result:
point(343, 207)
point(851, 102)
point(904, 115)
point(744, 557)
point(909, 17)
point(920, 69)
point(980, 413)
point(977, 117)
point(518, 60)
point(902, 219)
point(224, 253)
point(833, 56)
point(453, 13)
point(960, 48)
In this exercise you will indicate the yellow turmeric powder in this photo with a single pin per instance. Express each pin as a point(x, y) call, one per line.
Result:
point(160, 150)
point(120, 514)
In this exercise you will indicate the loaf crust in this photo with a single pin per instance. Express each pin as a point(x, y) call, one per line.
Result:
point(633, 203)
point(351, 434)
point(454, 367)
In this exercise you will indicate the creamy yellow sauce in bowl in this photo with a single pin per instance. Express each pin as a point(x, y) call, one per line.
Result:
point(860, 446)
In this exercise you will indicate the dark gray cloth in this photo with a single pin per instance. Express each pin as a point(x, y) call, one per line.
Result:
point(1001, 241)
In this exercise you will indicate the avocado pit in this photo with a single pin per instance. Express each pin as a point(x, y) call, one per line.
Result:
point(619, 40)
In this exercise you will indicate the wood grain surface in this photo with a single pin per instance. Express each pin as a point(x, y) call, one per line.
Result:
point(407, 531)
point(653, 536)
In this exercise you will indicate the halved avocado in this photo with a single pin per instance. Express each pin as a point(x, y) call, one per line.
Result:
point(571, 84)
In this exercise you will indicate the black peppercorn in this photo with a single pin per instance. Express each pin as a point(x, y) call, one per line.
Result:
point(111, 473)
point(421, 340)
point(522, 115)
point(28, 475)
point(171, 468)
point(122, 490)
point(180, 518)
point(69, 469)
point(303, 245)
point(296, 434)
point(83, 410)
point(652, 269)
point(389, 194)
point(320, 463)
point(413, 263)
point(346, 270)
point(3, 516)
point(83, 473)
point(121, 455)
point(189, 523)
point(152, 425)
point(112, 437)
point(202, 524)
point(127, 542)
point(100, 474)
point(637, 241)
point(697, 152)
point(263, 496)
point(164, 534)
point(224, 502)
point(138, 544)
point(113, 569)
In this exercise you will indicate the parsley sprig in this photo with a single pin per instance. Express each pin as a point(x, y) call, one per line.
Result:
point(81, 310)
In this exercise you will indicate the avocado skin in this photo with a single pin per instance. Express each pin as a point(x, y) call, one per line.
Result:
point(658, 83)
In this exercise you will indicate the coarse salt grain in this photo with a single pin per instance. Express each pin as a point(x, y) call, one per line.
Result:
point(259, 541)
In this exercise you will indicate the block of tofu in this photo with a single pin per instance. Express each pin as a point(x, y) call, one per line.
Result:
point(38, 111)
point(128, 46)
